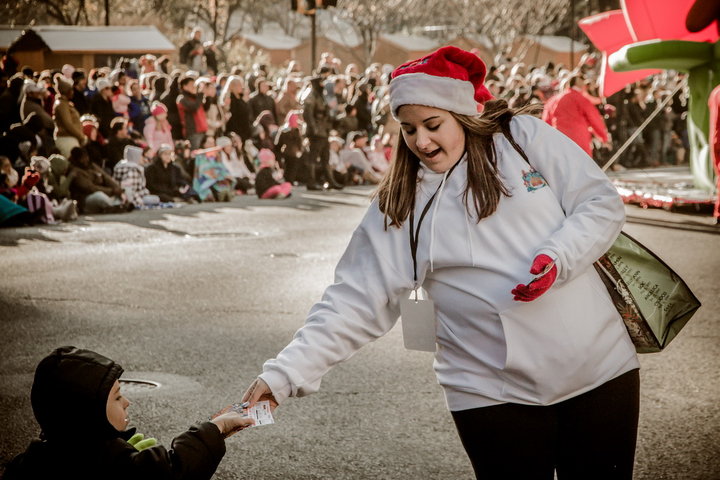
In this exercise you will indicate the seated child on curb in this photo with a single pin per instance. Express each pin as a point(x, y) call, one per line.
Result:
point(77, 401)
point(266, 182)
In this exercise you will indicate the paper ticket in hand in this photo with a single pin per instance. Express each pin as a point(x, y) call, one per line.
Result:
point(260, 412)
point(545, 271)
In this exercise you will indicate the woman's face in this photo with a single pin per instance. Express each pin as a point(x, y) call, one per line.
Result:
point(209, 142)
point(433, 135)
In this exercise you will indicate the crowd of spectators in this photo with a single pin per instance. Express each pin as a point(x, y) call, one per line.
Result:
point(148, 134)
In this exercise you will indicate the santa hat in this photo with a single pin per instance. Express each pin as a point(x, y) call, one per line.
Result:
point(89, 119)
point(158, 108)
point(449, 78)
point(87, 129)
point(292, 119)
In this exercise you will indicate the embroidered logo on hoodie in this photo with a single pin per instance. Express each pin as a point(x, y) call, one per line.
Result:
point(533, 180)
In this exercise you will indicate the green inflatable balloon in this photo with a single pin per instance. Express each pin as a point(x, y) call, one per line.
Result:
point(701, 61)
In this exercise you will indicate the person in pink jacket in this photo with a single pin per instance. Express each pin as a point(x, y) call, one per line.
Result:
point(575, 116)
point(157, 128)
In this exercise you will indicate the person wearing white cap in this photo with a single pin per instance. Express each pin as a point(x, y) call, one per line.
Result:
point(67, 70)
point(167, 180)
point(497, 218)
point(130, 174)
point(32, 102)
point(235, 164)
point(340, 171)
point(101, 105)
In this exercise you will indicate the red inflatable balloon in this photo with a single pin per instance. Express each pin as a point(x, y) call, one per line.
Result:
point(639, 20)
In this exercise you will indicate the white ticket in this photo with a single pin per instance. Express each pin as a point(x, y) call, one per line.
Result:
point(260, 412)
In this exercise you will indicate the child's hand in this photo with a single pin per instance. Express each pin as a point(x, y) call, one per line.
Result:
point(140, 444)
point(231, 423)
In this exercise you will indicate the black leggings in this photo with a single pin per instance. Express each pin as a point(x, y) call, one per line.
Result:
point(591, 436)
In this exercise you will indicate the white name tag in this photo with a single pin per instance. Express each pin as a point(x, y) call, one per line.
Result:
point(418, 322)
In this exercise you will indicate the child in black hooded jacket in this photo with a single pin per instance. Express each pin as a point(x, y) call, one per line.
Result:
point(77, 401)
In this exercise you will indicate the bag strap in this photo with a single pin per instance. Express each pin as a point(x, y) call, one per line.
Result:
point(505, 128)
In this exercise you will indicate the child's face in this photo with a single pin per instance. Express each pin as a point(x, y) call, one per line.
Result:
point(116, 408)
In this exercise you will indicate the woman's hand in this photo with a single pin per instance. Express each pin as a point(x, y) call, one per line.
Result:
point(232, 422)
point(543, 266)
point(259, 391)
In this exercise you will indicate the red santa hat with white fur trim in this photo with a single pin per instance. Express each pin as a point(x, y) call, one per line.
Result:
point(450, 78)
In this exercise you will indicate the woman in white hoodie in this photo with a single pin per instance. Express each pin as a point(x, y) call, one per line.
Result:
point(499, 219)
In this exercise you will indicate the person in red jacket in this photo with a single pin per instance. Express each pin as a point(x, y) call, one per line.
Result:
point(192, 113)
point(714, 103)
point(574, 115)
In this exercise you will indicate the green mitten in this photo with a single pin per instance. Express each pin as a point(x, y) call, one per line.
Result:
point(140, 444)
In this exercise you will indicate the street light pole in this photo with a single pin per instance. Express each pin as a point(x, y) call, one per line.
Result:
point(572, 34)
point(107, 12)
point(313, 42)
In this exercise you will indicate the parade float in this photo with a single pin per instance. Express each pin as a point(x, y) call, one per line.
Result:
point(640, 40)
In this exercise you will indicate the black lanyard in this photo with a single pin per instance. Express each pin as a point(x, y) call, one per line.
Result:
point(415, 234)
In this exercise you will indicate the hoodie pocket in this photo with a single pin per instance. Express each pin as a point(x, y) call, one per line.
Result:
point(550, 342)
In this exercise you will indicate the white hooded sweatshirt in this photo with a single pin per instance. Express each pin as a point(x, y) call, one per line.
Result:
point(491, 349)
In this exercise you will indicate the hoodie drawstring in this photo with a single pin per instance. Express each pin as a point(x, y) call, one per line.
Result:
point(432, 222)
point(414, 231)
point(469, 236)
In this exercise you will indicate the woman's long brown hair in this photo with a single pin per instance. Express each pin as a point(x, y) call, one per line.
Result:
point(396, 192)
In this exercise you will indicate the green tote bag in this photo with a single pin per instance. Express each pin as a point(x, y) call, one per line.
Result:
point(653, 301)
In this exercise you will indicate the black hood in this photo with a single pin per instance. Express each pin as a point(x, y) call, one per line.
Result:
point(317, 83)
point(70, 392)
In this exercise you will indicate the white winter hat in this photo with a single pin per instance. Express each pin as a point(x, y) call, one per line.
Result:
point(223, 142)
point(133, 154)
point(102, 83)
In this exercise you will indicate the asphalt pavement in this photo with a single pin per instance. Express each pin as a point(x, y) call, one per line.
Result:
point(197, 298)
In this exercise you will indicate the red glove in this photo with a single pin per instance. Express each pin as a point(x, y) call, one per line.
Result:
point(29, 180)
point(531, 291)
